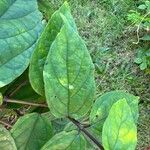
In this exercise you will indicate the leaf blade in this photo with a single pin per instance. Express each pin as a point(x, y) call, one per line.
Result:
point(31, 132)
point(119, 130)
point(66, 140)
point(6, 140)
point(20, 28)
point(69, 69)
point(102, 106)
point(48, 36)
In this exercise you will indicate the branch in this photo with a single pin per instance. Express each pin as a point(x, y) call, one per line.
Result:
point(23, 102)
point(138, 28)
point(91, 137)
point(5, 124)
point(17, 89)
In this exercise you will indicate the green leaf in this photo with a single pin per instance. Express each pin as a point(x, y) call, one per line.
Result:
point(102, 106)
point(89, 144)
point(138, 60)
point(143, 65)
point(104, 103)
point(6, 140)
point(48, 36)
point(119, 130)
point(66, 140)
point(69, 75)
point(142, 7)
point(146, 38)
point(20, 25)
point(31, 132)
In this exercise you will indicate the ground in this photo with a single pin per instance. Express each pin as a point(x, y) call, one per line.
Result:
point(109, 38)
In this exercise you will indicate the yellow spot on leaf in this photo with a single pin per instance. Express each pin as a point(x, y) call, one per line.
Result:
point(127, 135)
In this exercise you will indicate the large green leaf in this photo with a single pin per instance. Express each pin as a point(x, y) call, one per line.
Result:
point(119, 130)
point(31, 132)
point(69, 75)
point(48, 36)
point(20, 25)
point(6, 140)
point(66, 140)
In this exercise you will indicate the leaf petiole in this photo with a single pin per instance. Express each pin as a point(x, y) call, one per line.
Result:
point(89, 135)
point(7, 100)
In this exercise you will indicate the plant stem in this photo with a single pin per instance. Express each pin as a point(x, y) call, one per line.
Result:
point(17, 88)
point(5, 124)
point(138, 28)
point(23, 102)
point(91, 137)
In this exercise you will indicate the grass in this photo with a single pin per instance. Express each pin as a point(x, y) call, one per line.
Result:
point(103, 26)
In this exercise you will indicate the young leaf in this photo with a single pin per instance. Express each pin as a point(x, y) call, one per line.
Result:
point(66, 140)
point(48, 36)
point(31, 132)
point(69, 75)
point(119, 130)
point(6, 140)
point(20, 24)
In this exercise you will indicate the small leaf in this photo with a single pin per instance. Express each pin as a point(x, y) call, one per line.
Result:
point(69, 75)
point(66, 140)
point(142, 7)
point(143, 66)
point(31, 132)
point(138, 60)
point(20, 25)
point(48, 36)
point(6, 140)
point(119, 130)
